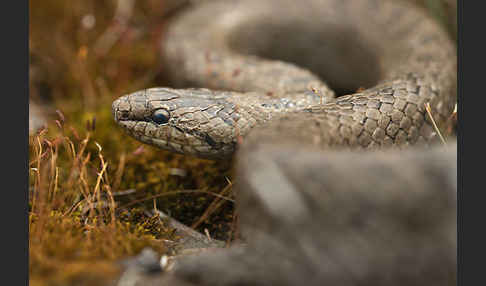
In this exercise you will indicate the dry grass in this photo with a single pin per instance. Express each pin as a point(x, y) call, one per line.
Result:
point(92, 188)
point(82, 219)
point(73, 229)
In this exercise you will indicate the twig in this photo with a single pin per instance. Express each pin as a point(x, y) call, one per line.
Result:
point(427, 107)
point(175, 193)
point(233, 229)
point(216, 204)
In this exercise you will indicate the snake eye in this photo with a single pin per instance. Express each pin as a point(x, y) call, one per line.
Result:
point(160, 116)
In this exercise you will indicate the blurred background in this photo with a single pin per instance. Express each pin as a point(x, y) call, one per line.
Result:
point(94, 191)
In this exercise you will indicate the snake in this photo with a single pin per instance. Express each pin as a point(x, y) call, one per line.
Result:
point(290, 88)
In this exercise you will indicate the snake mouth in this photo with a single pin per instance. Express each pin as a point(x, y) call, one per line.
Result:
point(168, 135)
point(174, 139)
point(188, 124)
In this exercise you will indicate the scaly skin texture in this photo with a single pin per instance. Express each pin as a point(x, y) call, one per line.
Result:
point(402, 55)
point(313, 214)
point(314, 218)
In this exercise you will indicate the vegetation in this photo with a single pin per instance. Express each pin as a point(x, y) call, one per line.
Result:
point(93, 189)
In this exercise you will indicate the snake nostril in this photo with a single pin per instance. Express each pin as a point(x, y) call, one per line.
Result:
point(122, 114)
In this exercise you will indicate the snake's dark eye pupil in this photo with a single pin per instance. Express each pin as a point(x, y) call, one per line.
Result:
point(160, 116)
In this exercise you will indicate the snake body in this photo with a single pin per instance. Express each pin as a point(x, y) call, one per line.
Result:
point(403, 56)
point(381, 63)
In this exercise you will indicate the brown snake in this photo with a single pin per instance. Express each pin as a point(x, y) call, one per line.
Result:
point(404, 58)
point(386, 60)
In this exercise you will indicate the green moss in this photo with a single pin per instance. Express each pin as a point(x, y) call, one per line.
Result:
point(70, 252)
point(77, 218)
point(80, 225)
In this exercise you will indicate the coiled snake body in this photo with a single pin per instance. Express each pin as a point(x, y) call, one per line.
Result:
point(388, 60)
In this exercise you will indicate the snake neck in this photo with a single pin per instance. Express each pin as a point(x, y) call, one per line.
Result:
point(202, 122)
point(398, 58)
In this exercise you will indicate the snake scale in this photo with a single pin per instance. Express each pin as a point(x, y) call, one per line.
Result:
point(317, 99)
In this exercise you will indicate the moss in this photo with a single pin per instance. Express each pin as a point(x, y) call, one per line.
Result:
point(82, 223)
point(80, 226)
point(66, 251)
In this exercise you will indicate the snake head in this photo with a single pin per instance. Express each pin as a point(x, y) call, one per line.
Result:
point(196, 122)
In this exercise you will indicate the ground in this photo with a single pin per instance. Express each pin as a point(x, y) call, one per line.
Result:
point(93, 189)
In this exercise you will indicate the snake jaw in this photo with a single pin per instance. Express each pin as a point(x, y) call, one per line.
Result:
point(167, 120)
